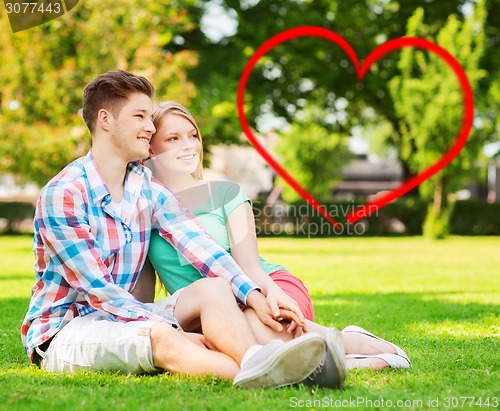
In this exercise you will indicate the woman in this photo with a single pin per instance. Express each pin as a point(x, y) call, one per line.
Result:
point(226, 213)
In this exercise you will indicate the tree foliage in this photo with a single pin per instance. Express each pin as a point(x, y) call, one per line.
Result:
point(314, 73)
point(429, 105)
point(313, 154)
point(44, 70)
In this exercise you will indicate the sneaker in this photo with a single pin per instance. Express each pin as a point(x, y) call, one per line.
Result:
point(282, 363)
point(331, 371)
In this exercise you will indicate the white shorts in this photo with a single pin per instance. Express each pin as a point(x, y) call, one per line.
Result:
point(93, 342)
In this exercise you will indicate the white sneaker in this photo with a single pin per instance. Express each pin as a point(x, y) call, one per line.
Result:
point(279, 364)
point(331, 372)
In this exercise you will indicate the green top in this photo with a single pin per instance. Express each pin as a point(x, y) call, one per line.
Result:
point(211, 203)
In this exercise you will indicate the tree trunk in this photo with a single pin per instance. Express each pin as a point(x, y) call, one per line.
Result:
point(437, 221)
point(438, 198)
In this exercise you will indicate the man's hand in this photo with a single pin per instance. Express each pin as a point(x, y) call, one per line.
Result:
point(259, 303)
point(291, 326)
point(278, 300)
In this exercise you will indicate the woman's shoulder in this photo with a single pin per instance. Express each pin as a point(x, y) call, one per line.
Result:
point(224, 186)
point(226, 193)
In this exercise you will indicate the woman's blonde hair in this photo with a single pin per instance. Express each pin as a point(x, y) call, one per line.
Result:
point(160, 110)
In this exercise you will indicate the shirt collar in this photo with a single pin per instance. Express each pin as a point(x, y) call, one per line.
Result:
point(98, 188)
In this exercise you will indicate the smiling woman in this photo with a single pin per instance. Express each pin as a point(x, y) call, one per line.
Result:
point(177, 151)
point(225, 212)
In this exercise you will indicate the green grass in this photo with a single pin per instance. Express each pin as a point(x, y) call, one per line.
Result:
point(438, 300)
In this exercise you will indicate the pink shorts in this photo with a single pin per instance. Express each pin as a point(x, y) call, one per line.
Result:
point(295, 289)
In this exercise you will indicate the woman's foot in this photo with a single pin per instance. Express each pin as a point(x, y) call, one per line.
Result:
point(359, 341)
point(376, 362)
point(373, 363)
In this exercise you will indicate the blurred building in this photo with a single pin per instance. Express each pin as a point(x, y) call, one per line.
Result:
point(494, 181)
point(243, 165)
point(11, 190)
point(365, 177)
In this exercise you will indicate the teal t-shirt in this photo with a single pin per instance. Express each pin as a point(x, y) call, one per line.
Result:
point(211, 203)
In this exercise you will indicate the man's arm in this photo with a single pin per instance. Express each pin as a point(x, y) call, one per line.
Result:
point(145, 287)
point(72, 248)
point(182, 229)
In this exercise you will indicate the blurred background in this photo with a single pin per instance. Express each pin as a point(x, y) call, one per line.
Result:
point(342, 140)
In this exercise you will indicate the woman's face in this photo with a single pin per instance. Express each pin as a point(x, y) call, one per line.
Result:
point(176, 144)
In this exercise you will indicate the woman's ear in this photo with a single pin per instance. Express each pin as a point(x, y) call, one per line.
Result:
point(151, 153)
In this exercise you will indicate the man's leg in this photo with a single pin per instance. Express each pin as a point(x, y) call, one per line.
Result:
point(210, 304)
point(174, 351)
point(93, 342)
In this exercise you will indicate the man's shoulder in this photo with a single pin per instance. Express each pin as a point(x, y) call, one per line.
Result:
point(71, 177)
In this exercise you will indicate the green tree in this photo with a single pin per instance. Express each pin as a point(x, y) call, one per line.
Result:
point(44, 70)
point(429, 104)
point(313, 153)
point(277, 82)
point(364, 23)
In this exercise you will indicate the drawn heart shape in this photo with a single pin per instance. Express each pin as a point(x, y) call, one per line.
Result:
point(382, 50)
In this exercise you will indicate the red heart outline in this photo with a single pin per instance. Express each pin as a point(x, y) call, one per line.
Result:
point(382, 50)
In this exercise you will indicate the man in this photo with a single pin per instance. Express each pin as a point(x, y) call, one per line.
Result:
point(92, 227)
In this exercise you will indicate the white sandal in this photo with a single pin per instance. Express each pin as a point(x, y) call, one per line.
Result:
point(399, 351)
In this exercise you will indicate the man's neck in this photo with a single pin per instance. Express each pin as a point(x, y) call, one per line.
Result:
point(112, 169)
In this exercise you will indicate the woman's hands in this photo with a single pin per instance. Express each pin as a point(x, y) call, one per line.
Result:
point(273, 306)
point(281, 304)
point(276, 310)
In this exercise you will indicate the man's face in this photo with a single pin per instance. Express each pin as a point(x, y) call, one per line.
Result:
point(132, 129)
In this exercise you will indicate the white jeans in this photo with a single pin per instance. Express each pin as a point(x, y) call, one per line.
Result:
point(93, 342)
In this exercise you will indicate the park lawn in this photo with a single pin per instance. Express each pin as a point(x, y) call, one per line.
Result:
point(439, 300)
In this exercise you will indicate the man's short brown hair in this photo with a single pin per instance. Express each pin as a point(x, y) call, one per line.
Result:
point(110, 91)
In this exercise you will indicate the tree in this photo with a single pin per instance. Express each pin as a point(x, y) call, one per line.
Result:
point(429, 106)
point(276, 83)
point(44, 70)
point(313, 153)
point(364, 23)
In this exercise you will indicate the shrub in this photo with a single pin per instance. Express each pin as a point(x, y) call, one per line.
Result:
point(13, 213)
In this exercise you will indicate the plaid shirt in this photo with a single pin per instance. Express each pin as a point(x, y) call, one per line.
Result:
point(88, 258)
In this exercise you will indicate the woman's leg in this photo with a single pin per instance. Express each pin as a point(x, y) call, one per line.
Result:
point(354, 342)
point(361, 344)
point(296, 290)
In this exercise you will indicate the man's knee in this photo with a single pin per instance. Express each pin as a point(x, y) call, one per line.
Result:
point(164, 334)
point(167, 346)
point(213, 288)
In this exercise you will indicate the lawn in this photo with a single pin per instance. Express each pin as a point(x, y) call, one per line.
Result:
point(439, 300)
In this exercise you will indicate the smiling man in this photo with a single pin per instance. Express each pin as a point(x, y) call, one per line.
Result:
point(92, 228)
